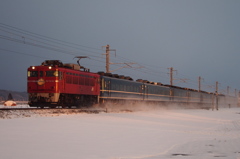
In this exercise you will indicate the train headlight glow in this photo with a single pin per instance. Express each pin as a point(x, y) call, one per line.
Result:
point(33, 67)
point(50, 67)
point(55, 73)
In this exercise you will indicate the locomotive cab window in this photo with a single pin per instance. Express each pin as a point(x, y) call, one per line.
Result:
point(32, 73)
point(52, 73)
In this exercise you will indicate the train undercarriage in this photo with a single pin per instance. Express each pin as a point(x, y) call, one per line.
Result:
point(163, 104)
point(53, 100)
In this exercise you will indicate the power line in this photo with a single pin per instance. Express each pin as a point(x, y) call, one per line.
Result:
point(21, 53)
point(24, 39)
point(42, 36)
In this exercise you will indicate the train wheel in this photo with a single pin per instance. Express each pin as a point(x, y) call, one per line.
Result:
point(79, 103)
point(63, 105)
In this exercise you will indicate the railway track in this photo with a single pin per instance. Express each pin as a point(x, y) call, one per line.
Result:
point(9, 113)
point(86, 110)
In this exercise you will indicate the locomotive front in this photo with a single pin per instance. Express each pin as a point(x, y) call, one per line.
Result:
point(44, 84)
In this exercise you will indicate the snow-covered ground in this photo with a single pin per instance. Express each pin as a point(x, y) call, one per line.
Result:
point(156, 134)
point(17, 106)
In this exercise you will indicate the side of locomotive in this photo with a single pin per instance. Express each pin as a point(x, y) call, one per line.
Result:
point(56, 84)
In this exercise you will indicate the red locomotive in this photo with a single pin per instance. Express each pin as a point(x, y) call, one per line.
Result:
point(54, 83)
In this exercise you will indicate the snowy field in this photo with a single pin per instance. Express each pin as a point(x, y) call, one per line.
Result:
point(158, 134)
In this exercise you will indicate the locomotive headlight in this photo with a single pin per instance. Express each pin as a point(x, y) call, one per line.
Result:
point(33, 67)
point(50, 67)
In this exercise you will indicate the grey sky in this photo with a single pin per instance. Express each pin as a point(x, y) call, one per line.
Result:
point(197, 38)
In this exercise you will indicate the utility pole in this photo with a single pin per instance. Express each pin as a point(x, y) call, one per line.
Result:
point(199, 83)
point(228, 90)
point(171, 75)
point(108, 63)
point(108, 57)
point(217, 95)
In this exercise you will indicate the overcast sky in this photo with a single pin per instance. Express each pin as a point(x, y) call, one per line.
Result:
point(195, 37)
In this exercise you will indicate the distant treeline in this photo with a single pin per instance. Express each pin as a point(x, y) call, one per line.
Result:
point(17, 96)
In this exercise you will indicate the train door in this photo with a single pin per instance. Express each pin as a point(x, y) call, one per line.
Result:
point(62, 80)
point(142, 91)
point(146, 92)
point(188, 96)
point(107, 84)
point(171, 94)
point(201, 98)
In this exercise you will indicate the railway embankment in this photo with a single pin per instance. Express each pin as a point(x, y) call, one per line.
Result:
point(30, 112)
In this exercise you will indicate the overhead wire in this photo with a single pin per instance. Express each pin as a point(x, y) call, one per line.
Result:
point(21, 53)
point(42, 36)
point(144, 68)
point(24, 39)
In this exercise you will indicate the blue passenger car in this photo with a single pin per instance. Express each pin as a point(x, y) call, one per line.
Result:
point(120, 90)
point(116, 89)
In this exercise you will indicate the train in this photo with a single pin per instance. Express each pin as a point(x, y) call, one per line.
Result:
point(55, 84)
